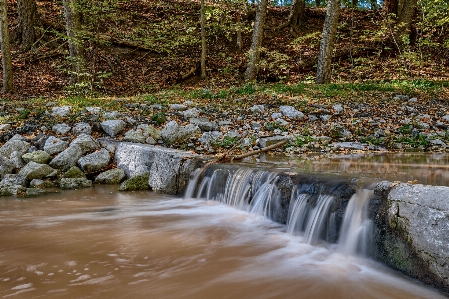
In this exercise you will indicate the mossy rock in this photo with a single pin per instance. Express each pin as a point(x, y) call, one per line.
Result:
point(73, 173)
point(33, 192)
point(112, 176)
point(74, 183)
point(40, 157)
point(138, 182)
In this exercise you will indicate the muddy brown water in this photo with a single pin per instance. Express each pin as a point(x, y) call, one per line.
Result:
point(98, 243)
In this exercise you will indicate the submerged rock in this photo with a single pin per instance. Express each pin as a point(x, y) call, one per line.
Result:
point(34, 192)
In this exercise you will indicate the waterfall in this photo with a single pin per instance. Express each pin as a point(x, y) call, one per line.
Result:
point(317, 208)
point(356, 227)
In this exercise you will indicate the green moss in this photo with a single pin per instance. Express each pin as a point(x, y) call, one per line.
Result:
point(73, 172)
point(138, 182)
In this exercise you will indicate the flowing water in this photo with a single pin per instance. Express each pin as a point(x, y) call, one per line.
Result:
point(97, 243)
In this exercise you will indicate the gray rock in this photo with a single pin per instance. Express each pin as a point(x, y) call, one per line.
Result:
point(55, 145)
point(446, 118)
point(94, 110)
point(111, 115)
point(12, 190)
point(14, 145)
point(282, 122)
point(112, 176)
point(5, 127)
point(191, 113)
point(325, 117)
point(418, 232)
point(178, 107)
point(401, 97)
point(204, 124)
point(257, 109)
point(225, 123)
point(113, 127)
point(34, 192)
point(60, 111)
point(134, 136)
point(232, 134)
point(169, 169)
point(86, 142)
point(150, 140)
point(338, 108)
point(130, 120)
point(81, 128)
point(149, 131)
point(138, 182)
point(74, 183)
point(6, 166)
point(438, 142)
point(276, 115)
point(256, 125)
point(16, 159)
point(61, 128)
point(173, 133)
point(41, 157)
point(73, 172)
point(67, 158)
point(35, 170)
point(312, 117)
point(95, 161)
point(107, 144)
point(209, 137)
point(37, 183)
point(291, 112)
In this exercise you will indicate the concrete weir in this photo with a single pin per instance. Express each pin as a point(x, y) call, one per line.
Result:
point(411, 221)
point(169, 169)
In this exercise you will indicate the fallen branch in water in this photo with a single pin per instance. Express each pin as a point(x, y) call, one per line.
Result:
point(230, 158)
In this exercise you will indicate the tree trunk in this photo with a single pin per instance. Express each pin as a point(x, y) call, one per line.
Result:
point(405, 19)
point(317, 3)
point(203, 41)
point(239, 34)
point(391, 7)
point(256, 43)
point(297, 15)
point(76, 49)
point(355, 3)
point(323, 74)
point(5, 48)
point(27, 32)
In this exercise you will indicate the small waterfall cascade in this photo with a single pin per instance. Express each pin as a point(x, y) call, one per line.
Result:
point(316, 208)
point(356, 228)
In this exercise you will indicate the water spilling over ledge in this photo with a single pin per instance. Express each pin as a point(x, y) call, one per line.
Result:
point(380, 220)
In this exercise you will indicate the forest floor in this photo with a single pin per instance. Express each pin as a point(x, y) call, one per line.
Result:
point(389, 101)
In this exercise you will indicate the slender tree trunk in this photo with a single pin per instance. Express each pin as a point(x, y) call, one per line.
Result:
point(405, 19)
point(355, 3)
point(256, 43)
point(317, 3)
point(76, 49)
point(239, 34)
point(203, 41)
point(5, 48)
point(324, 70)
point(27, 32)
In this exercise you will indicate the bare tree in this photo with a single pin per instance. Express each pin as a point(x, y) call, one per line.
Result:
point(203, 41)
point(256, 43)
point(5, 48)
point(76, 49)
point(391, 7)
point(324, 70)
point(29, 20)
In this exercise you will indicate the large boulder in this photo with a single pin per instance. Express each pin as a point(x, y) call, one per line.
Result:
point(40, 157)
point(55, 145)
point(60, 111)
point(95, 161)
point(169, 168)
point(35, 170)
point(67, 158)
point(412, 231)
point(291, 112)
point(112, 176)
point(14, 145)
point(86, 142)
